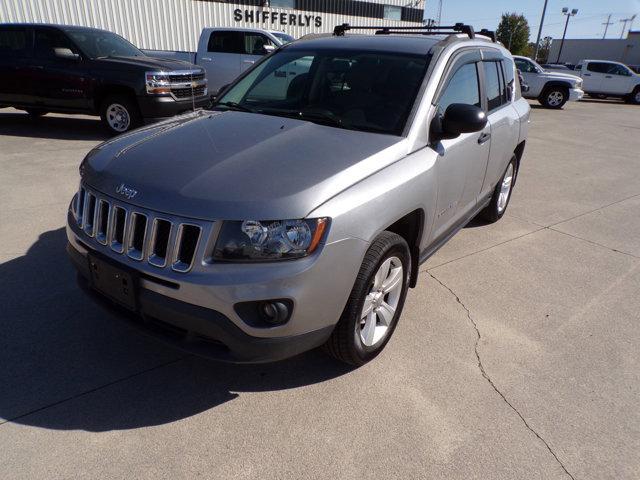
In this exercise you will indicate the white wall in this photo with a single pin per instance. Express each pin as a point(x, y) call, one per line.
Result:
point(161, 24)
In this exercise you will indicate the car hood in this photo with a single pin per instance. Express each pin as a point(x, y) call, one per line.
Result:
point(148, 63)
point(550, 74)
point(235, 165)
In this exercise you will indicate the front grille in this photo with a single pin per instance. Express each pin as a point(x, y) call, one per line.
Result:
point(142, 235)
point(181, 78)
point(188, 92)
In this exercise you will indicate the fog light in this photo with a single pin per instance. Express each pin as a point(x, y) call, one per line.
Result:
point(275, 312)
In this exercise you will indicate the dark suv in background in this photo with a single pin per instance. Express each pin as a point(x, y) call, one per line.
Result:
point(65, 69)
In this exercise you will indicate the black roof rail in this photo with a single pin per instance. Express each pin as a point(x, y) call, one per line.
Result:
point(340, 30)
point(488, 33)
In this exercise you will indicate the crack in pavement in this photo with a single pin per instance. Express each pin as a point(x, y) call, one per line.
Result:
point(486, 376)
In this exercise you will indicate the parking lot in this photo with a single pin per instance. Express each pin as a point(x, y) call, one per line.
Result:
point(517, 355)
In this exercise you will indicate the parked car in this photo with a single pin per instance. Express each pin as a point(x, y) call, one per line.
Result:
point(610, 79)
point(551, 88)
point(54, 68)
point(278, 223)
point(227, 52)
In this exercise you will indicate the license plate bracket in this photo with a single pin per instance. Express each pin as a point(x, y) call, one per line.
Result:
point(116, 283)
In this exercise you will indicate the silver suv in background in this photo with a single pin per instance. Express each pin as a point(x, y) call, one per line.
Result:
point(551, 88)
point(296, 214)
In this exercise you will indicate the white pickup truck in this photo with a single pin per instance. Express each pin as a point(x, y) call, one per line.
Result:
point(551, 88)
point(609, 79)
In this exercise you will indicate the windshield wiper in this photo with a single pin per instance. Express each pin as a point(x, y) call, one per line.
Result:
point(235, 106)
point(310, 115)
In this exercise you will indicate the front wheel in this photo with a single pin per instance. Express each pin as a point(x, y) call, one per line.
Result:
point(502, 194)
point(119, 114)
point(634, 97)
point(375, 302)
point(554, 97)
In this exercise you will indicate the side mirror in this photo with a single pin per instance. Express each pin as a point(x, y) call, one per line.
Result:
point(66, 53)
point(524, 87)
point(267, 49)
point(459, 118)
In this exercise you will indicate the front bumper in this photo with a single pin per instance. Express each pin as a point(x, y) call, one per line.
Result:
point(156, 108)
point(575, 94)
point(197, 329)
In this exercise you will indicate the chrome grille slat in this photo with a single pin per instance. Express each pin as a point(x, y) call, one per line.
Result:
point(140, 235)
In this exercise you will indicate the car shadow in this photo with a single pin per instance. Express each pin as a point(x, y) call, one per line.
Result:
point(610, 101)
point(67, 364)
point(20, 124)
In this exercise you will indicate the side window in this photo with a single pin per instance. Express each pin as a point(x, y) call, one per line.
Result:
point(462, 87)
point(254, 44)
point(14, 43)
point(493, 86)
point(226, 42)
point(598, 67)
point(524, 66)
point(47, 41)
point(615, 69)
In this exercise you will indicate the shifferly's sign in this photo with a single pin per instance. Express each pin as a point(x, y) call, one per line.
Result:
point(276, 18)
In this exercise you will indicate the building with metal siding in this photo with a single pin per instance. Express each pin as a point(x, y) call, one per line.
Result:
point(625, 50)
point(176, 24)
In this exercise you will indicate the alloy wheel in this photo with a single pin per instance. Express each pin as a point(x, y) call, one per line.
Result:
point(505, 188)
point(555, 98)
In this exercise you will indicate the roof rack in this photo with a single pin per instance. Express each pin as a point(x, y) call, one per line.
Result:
point(488, 33)
point(340, 30)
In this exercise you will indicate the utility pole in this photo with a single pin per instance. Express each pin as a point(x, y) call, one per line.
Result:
point(624, 24)
point(606, 26)
point(544, 10)
point(569, 14)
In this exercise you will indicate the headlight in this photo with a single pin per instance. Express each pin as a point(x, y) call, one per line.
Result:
point(157, 83)
point(256, 241)
point(579, 83)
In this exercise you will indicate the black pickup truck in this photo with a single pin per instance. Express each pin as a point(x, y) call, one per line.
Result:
point(67, 69)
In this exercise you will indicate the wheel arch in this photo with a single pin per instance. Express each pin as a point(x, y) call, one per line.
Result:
point(555, 83)
point(411, 228)
point(112, 89)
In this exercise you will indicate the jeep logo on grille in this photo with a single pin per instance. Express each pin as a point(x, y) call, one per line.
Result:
point(126, 191)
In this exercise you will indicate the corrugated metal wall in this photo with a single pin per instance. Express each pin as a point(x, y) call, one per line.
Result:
point(161, 24)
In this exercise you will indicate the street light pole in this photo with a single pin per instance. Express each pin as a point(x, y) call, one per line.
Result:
point(569, 14)
point(544, 10)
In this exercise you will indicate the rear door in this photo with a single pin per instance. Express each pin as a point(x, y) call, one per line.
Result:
point(221, 60)
point(61, 82)
point(617, 80)
point(503, 119)
point(462, 161)
point(593, 76)
point(16, 49)
point(254, 48)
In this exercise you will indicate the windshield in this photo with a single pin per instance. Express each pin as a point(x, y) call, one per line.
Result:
point(283, 37)
point(355, 90)
point(97, 44)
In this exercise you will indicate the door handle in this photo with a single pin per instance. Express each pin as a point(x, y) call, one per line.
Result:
point(249, 61)
point(484, 138)
point(587, 74)
point(208, 59)
point(608, 76)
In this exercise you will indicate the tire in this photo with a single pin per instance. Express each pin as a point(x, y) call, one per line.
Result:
point(634, 97)
point(554, 97)
point(119, 114)
point(358, 339)
point(497, 206)
point(36, 113)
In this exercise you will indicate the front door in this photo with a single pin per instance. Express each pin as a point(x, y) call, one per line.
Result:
point(593, 74)
point(222, 58)
point(617, 80)
point(62, 81)
point(463, 160)
point(254, 49)
point(15, 60)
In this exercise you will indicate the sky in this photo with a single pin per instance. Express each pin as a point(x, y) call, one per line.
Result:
point(586, 24)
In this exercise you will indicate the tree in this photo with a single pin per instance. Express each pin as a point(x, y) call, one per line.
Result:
point(543, 51)
point(513, 32)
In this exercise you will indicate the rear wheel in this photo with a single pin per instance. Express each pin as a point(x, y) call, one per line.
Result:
point(375, 302)
point(119, 114)
point(502, 194)
point(554, 97)
point(634, 97)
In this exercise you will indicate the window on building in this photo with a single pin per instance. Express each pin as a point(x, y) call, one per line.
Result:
point(226, 42)
point(392, 12)
point(282, 3)
point(14, 42)
point(463, 87)
point(494, 85)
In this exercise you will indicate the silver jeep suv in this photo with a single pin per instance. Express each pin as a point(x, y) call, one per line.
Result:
point(297, 211)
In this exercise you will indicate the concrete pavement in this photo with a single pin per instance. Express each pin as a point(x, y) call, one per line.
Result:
point(516, 356)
